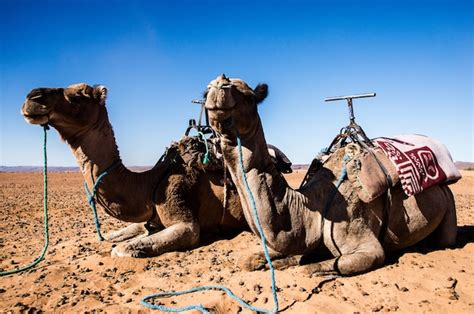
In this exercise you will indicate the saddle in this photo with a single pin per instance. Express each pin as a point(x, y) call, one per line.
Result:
point(196, 150)
point(370, 171)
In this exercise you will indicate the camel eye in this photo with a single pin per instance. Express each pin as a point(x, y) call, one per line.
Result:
point(36, 96)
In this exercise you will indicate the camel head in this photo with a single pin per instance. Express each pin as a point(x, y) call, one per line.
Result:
point(69, 109)
point(232, 104)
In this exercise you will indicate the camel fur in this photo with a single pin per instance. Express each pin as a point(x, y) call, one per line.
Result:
point(170, 205)
point(319, 214)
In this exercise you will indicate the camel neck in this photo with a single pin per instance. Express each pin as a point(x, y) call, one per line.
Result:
point(96, 151)
point(280, 208)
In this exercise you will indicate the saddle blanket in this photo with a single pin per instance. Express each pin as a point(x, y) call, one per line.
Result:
point(421, 161)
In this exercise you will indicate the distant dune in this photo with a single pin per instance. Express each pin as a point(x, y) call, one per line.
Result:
point(461, 165)
point(58, 169)
point(37, 169)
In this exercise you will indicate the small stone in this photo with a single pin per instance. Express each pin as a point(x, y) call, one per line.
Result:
point(377, 308)
point(257, 288)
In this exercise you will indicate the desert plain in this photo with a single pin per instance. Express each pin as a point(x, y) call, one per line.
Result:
point(78, 273)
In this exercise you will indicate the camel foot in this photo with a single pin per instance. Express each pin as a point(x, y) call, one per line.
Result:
point(125, 250)
point(252, 262)
point(317, 271)
point(177, 237)
point(126, 233)
point(257, 261)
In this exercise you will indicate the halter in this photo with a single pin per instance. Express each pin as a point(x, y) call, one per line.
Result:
point(91, 195)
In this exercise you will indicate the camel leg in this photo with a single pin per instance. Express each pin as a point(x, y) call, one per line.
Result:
point(126, 233)
point(369, 256)
point(180, 236)
point(445, 234)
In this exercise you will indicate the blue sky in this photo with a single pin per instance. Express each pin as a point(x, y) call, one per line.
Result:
point(155, 56)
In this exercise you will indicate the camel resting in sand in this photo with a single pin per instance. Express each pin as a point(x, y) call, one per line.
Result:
point(319, 214)
point(170, 204)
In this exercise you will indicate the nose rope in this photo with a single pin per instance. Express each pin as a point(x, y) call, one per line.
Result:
point(45, 211)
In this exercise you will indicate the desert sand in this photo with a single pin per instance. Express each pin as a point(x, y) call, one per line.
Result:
point(79, 275)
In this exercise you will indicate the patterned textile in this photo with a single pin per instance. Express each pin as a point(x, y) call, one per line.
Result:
point(421, 161)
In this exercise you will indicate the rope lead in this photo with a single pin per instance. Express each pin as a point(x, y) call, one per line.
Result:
point(91, 196)
point(200, 307)
point(45, 212)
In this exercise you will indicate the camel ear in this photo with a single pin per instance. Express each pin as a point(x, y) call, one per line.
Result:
point(100, 93)
point(261, 92)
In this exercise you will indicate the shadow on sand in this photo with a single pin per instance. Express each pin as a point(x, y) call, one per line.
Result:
point(464, 237)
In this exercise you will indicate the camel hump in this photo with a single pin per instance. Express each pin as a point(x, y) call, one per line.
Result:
point(198, 152)
point(281, 161)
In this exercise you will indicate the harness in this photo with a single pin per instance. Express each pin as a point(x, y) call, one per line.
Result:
point(91, 195)
point(352, 133)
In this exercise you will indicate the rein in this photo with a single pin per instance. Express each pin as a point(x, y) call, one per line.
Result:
point(45, 211)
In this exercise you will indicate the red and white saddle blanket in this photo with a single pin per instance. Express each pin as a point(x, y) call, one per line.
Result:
point(421, 161)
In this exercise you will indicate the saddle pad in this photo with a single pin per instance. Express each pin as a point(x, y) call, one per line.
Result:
point(368, 170)
point(421, 161)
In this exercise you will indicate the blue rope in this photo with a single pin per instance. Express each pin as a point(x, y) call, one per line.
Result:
point(341, 179)
point(343, 174)
point(45, 212)
point(91, 197)
point(205, 159)
point(259, 226)
point(200, 307)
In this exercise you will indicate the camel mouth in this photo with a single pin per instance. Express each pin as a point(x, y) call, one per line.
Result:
point(219, 114)
point(36, 119)
point(35, 113)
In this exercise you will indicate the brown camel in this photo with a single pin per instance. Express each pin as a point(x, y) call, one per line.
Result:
point(176, 200)
point(308, 219)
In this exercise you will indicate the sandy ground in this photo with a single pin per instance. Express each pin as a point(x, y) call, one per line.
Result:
point(79, 275)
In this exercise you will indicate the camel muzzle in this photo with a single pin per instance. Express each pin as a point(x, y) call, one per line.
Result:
point(35, 113)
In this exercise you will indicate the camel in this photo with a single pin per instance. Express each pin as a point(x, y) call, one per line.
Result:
point(322, 214)
point(170, 205)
